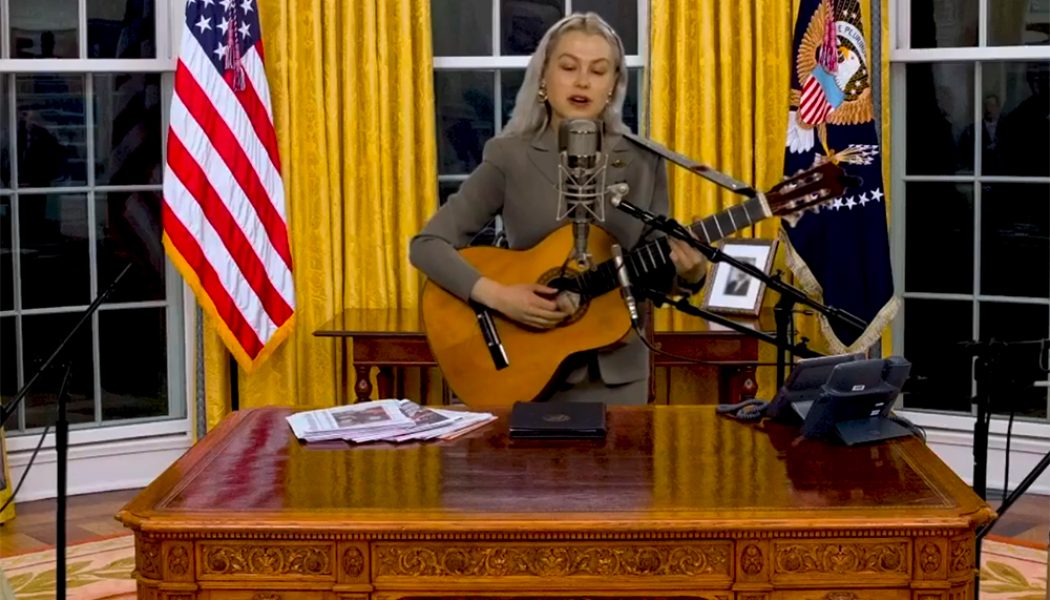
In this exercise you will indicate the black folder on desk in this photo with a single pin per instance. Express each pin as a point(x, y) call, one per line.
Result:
point(558, 420)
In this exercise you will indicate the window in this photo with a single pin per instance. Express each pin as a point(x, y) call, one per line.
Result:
point(481, 49)
point(972, 190)
point(82, 117)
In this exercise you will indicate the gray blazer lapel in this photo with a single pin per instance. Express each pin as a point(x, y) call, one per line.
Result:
point(543, 154)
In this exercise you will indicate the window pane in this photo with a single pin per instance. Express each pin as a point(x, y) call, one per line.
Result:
point(465, 118)
point(939, 238)
point(7, 262)
point(41, 334)
point(510, 83)
point(1018, 22)
point(630, 102)
point(461, 27)
point(127, 226)
point(939, 110)
point(523, 23)
point(127, 129)
point(53, 233)
point(8, 366)
point(52, 146)
point(446, 189)
point(1017, 142)
point(1018, 322)
point(48, 31)
point(621, 15)
point(5, 134)
point(944, 23)
point(940, 375)
point(133, 363)
point(121, 29)
point(1015, 240)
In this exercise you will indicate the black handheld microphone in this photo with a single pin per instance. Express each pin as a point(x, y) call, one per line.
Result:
point(581, 182)
point(625, 286)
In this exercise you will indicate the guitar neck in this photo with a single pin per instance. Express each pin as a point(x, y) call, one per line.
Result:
point(656, 255)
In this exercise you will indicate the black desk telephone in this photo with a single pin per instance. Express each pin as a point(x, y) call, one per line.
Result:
point(845, 396)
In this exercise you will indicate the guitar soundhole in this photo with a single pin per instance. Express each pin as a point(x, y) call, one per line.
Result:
point(563, 280)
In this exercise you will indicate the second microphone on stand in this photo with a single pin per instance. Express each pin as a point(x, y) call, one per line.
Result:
point(625, 287)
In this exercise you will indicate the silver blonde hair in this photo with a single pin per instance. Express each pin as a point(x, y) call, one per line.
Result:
point(529, 116)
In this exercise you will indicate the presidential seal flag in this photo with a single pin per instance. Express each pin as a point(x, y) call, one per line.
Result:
point(839, 253)
point(224, 220)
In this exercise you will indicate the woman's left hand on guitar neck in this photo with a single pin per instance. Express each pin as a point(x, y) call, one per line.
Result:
point(688, 262)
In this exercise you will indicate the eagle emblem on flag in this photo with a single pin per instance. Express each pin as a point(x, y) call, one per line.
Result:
point(835, 81)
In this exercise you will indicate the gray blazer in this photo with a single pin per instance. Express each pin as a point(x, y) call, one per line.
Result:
point(518, 178)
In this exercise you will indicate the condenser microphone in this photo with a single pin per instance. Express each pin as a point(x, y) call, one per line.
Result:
point(625, 286)
point(581, 182)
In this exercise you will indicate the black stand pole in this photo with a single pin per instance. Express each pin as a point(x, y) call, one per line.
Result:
point(999, 375)
point(983, 370)
point(62, 454)
point(61, 430)
point(782, 314)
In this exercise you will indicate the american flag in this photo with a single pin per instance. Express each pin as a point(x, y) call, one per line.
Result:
point(225, 225)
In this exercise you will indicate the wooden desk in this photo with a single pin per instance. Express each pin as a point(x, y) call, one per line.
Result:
point(676, 502)
point(390, 338)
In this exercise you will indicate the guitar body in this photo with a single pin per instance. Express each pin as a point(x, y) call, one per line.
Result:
point(534, 355)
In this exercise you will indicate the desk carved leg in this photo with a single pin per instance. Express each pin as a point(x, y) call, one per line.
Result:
point(385, 379)
point(363, 386)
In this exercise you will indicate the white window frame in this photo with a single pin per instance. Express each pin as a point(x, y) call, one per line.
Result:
point(497, 62)
point(951, 434)
point(136, 451)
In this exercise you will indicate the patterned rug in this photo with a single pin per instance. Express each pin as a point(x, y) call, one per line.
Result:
point(102, 569)
point(94, 570)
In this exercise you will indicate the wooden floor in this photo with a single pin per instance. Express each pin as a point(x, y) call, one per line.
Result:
point(91, 516)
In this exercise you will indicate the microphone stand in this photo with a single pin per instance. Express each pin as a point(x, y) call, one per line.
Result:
point(683, 305)
point(789, 295)
point(61, 431)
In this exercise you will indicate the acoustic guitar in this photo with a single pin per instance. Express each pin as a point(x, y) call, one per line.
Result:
point(482, 377)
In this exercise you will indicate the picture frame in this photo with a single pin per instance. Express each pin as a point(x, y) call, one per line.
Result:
point(729, 290)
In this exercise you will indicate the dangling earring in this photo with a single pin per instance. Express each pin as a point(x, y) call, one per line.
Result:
point(541, 94)
point(608, 99)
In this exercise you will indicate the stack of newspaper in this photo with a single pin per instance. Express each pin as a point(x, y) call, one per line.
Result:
point(384, 420)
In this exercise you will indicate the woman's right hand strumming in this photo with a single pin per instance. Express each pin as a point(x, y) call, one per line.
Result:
point(527, 303)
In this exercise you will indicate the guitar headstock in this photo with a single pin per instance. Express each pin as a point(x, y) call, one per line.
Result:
point(808, 189)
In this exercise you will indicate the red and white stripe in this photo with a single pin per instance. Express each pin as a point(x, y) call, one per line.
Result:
point(813, 107)
point(224, 207)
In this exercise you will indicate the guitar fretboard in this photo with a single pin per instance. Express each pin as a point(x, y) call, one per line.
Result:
point(655, 256)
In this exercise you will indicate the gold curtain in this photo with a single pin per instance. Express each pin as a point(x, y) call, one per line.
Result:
point(719, 84)
point(352, 93)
